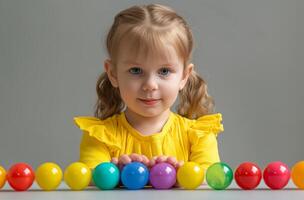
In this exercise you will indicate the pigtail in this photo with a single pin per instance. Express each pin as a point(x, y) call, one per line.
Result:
point(109, 101)
point(194, 100)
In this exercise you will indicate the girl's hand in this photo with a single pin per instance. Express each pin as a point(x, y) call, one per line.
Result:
point(126, 159)
point(168, 159)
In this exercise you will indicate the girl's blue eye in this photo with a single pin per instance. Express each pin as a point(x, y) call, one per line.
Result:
point(135, 70)
point(164, 71)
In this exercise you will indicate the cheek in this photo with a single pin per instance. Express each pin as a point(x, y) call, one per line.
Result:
point(128, 89)
point(170, 91)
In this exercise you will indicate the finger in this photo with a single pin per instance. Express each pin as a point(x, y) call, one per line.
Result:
point(124, 159)
point(172, 160)
point(145, 160)
point(136, 157)
point(179, 164)
point(161, 159)
point(114, 160)
point(152, 161)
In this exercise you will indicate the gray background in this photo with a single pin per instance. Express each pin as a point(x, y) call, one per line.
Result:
point(249, 52)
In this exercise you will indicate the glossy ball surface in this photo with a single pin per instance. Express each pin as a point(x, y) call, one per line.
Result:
point(2, 176)
point(276, 175)
point(190, 175)
point(106, 176)
point(77, 176)
point(248, 175)
point(135, 176)
point(162, 176)
point(297, 174)
point(20, 176)
point(48, 176)
point(219, 176)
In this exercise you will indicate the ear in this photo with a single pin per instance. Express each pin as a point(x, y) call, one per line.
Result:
point(186, 75)
point(109, 69)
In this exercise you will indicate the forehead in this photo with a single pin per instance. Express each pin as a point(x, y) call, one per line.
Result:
point(165, 53)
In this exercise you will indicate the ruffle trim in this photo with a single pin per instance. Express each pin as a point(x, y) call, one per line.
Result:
point(100, 129)
point(205, 125)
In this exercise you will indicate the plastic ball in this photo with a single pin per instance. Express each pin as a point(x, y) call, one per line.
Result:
point(77, 176)
point(2, 177)
point(276, 175)
point(248, 175)
point(162, 176)
point(190, 175)
point(219, 176)
point(20, 176)
point(135, 175)
point(48, 176)
point(297, 174)
point(106, 176)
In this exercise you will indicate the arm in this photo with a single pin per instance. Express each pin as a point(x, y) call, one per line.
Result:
point(205, 151)
point(93, 152)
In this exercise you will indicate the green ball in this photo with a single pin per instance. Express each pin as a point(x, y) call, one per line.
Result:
point(219, 176)
point(106, 176)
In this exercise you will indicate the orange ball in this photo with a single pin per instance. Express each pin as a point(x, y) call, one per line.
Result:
point(2, 176)
point(297, 174)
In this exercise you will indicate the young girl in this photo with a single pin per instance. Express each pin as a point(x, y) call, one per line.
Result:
point(148, 67)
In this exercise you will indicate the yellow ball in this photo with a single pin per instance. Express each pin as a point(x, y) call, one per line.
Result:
point(48, 176)
point(190, 175)
point(297, 174)
point(2, 176)
point(77, 176)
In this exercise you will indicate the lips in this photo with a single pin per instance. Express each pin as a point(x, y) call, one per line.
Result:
point(149, 101)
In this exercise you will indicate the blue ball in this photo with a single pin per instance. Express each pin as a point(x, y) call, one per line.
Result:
point(135, 176)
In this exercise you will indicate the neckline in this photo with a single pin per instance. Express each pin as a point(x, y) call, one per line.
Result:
point(139, 135)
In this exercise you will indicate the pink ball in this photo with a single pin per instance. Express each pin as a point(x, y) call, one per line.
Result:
point(162, 176)
point(276, 175)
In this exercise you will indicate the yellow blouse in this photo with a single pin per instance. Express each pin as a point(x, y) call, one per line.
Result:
point(183, 138)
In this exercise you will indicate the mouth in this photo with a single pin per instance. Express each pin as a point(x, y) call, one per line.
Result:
point(149, 101)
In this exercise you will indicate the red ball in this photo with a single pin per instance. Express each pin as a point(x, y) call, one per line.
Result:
point(20, 176)
point(248, 175)
point(276, 175)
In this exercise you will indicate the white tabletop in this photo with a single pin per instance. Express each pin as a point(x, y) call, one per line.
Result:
point(204, 192)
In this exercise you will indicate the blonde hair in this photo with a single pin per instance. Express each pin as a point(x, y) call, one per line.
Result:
point(148, 28)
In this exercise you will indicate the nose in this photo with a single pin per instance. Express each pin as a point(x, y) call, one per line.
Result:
point(150, 84)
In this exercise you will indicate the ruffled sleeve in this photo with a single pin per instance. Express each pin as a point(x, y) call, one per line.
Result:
point(202, 135)
point(102, 130)
point(98, 140)
point(209, 124)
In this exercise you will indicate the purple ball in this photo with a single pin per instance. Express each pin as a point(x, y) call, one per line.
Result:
point(162, 176)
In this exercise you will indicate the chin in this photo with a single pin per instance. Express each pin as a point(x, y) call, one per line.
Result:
point(148, 113)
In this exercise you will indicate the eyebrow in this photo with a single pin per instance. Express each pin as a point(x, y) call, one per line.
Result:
point(131, 62)
point(137, 63)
